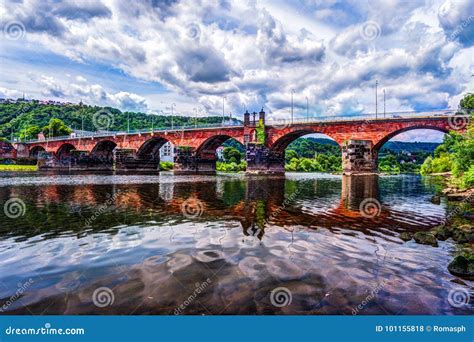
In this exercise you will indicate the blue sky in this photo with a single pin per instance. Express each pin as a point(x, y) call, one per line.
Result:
point(146, 55)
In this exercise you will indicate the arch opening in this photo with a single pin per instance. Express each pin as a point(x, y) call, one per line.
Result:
point(104, 150)
point(150, 149)
point(404, 151)
point(308, 151)
point(35, 151)
point(65, 151)
point(225, 153)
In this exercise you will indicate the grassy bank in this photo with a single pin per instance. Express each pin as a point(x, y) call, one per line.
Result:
point(18, 168)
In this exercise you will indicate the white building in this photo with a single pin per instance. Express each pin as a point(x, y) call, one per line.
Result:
point(167, 152)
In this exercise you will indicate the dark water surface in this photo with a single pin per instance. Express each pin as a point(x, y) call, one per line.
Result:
point(148, 244)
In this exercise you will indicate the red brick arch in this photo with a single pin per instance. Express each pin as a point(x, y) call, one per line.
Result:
point(65, 148)
point(393, 134)
point(208, 147)
point(282, 142)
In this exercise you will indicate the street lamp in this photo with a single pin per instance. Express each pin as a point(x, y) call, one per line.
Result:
point(376, 107)
point(172, 106)
point(307, 109)
point(292, 92)
point(195, 118)
point(223, 113)
point(384, 104)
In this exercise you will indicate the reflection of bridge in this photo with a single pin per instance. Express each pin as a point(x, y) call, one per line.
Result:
point(359, 137)
point(257, 203)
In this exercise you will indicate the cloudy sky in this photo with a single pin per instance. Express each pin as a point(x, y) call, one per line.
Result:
point(146, 55)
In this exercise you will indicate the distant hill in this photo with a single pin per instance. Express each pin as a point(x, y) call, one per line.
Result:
point(23, 114)
point(306, 147)
point(399, 146)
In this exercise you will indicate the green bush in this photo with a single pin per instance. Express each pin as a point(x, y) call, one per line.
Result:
point(231, 167)
point(166, 166)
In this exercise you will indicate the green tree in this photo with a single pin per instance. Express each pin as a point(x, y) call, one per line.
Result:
point(30, 132)
point(56, 128)
point(232, 155)
point(290, 154)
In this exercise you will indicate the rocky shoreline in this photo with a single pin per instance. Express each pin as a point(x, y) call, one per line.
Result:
point(458, 226)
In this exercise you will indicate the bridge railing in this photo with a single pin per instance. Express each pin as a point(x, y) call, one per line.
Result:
point(364, 117)
point(271, 122)
point(105, 134)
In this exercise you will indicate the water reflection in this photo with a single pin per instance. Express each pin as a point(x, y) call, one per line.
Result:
point(247, 235)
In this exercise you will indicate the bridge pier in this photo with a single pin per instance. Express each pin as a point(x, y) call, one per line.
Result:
point(188, 162)
point(359, 157)
point(261, 159)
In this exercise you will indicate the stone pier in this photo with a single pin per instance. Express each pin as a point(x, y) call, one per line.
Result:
point(358, 157)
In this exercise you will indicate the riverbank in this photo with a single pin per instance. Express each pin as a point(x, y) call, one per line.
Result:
point(458, 226)
point(17, 168)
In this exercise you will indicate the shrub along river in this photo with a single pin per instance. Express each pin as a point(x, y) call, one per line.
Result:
point(227, 244)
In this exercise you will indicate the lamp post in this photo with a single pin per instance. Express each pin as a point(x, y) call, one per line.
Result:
point(376, 107)
point(172, 106)
point(223, 113)
point(292, 92)
point(307, 109)
point(384, 104)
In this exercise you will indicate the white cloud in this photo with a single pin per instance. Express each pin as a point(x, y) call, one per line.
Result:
point(254, 53)
point(89, 93)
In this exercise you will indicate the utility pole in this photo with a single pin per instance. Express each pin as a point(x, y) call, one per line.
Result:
point(195, 118)
point(307, 109)
point(223, 113)
point(384, 104)
point(376, 104)
point(172, 124)
point(292, 92)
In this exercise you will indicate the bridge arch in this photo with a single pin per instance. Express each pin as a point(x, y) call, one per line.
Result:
point(208, 148)
point(282, 142)
point(400, 153)
point(35, 151)
point(104, 149)
point(65, 150)
point(151, 148)
point(394, 133)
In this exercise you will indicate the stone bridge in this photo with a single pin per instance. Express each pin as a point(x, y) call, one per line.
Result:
point(360, 139)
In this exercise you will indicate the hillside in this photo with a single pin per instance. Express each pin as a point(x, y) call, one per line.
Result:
point(15, 117)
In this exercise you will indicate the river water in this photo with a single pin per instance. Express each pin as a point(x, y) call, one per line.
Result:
point(226, 244)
